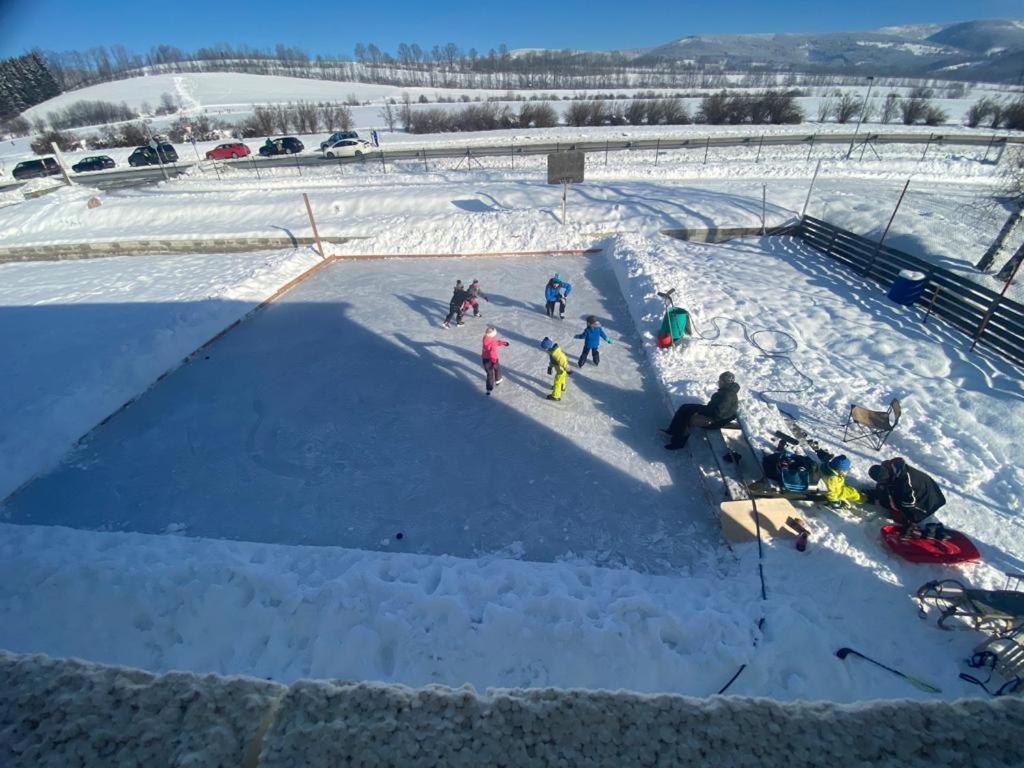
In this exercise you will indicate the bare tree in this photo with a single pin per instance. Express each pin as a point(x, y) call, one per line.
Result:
point(848, 107)
point(825, 109)
point(889, 108)
point(388, 115)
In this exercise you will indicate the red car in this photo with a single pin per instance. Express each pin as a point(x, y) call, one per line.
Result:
point(228, 151)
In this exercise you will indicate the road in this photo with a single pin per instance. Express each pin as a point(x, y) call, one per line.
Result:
point(132, 177)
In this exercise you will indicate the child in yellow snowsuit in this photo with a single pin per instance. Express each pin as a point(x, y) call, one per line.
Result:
point(557, 363)
point(837, 492)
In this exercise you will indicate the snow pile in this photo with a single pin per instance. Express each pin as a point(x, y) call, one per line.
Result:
point(287, 612)
point(55, 714)
point(81, 338)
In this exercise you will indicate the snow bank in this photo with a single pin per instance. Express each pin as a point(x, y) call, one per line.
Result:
point(57, 713)
point(289, 612)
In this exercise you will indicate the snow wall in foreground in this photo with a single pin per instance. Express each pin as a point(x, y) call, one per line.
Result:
point(73, 713)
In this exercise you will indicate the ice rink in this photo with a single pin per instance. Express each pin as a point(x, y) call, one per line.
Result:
point(344, 414)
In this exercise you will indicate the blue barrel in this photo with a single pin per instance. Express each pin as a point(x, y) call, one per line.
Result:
point(907, 287)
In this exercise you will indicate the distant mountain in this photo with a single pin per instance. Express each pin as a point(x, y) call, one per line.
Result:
point(985, 50)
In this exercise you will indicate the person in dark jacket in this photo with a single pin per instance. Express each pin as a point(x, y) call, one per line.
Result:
point(908, 494)
point(474, 294)
point(457, 305)
point(591, 336)
point(719, 411)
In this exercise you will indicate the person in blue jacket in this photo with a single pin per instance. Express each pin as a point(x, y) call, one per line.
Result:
point(556, 292)
point(591, 336)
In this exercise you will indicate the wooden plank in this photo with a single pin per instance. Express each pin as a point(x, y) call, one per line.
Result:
point(738, 525)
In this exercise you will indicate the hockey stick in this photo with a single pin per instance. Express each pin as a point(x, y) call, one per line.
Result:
point(842, 653)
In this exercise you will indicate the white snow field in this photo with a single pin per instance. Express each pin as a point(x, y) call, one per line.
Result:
point(241, 515)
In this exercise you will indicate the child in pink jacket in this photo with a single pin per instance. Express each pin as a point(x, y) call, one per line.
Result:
point(490, 357)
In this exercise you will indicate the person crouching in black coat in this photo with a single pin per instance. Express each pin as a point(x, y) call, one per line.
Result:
point(908, 495)
point(719, 411)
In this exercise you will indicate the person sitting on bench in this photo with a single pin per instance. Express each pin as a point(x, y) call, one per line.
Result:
point(908, 495)
point(719, 411)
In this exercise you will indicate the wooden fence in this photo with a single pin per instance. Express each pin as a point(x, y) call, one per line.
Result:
point(954, 298)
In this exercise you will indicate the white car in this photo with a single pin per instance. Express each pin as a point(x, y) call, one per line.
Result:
point(348, 148)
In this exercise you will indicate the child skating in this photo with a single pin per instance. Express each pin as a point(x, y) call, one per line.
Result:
point(558, 364)
point(490, 357)
point(474, 294)
point(591, 336)
point(455, 306)
point(556, 292)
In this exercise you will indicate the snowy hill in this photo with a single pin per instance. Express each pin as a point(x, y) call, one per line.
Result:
point(916, 50)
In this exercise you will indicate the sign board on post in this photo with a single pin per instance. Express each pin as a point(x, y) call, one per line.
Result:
point(565, 168)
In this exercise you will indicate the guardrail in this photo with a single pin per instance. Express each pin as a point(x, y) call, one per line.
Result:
point(992, 143)
point(954, 298)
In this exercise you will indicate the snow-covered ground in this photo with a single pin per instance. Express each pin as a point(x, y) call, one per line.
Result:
point(947, 216)
point(284, 612)
point(218, 506)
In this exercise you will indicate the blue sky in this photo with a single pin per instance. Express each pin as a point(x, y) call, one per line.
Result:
point(483, 24)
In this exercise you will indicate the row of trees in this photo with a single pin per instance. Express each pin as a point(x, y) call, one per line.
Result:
point(995, 113)
point(90, 113)
point(446, 65)
point(917, 107)
point(301, 117)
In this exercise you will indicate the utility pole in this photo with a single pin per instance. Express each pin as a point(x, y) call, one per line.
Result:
point(871, 82)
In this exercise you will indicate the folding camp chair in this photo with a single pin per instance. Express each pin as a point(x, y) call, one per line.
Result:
point(1003, 656)
point(995, 611)
point(872, 426)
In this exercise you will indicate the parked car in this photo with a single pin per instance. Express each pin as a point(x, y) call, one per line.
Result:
point(35, 169)
point(287, 145)
point(94, 163)
point(148, 156)
point(229, 151)
point(348, 148)
point(334, 138)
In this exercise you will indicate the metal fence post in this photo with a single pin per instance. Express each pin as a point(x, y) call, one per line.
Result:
point(299, 167)
point(811, 147)
point(761, 144)
point(255, 167)
point(606, 151)
point(382, 164)
point(928, 144)
point(657, 150)
point(885, 233)
point(764, 206)
point(995, 304)
point(987, 148)
point(810, 189)
point(707, 146)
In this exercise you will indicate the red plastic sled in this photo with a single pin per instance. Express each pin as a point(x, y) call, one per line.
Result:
point(955, 549)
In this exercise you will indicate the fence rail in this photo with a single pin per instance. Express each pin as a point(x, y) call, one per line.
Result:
point(954, 298)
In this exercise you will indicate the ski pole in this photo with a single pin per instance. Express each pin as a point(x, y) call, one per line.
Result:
point(842, 653)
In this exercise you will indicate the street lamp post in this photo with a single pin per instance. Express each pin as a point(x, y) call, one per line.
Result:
point(871, 82)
